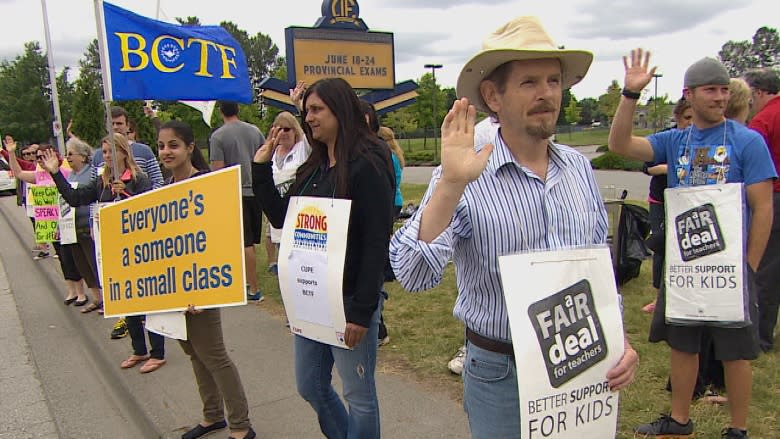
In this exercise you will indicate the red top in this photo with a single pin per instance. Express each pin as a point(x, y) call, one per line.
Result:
point(767, 122)
point(24, 164)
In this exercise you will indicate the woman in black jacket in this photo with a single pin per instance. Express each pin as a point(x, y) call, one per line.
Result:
point(347, 161)
point(107, 187)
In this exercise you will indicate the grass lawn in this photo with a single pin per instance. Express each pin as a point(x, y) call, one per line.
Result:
point(424, 335)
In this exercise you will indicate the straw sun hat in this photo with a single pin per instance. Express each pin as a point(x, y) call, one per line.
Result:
point(522, 38)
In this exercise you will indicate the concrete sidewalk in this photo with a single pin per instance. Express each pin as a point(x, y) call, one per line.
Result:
point(24, 412)
point(258, 343)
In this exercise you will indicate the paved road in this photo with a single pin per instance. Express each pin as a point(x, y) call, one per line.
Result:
point(78, 372)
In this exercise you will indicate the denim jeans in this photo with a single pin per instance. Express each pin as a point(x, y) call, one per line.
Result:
point(490, 395)
point(136, 329)
point(313, 375)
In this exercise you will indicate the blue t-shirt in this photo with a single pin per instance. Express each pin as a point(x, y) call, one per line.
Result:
point(698, 157)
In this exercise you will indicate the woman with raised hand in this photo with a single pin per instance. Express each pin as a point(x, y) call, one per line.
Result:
point(79, 155)
point(291, 151)
point(39, 177)
point(217, 376)
point(349, 162)
point(107, 187)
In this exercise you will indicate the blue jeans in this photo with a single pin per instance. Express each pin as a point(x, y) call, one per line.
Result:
point(490, 395)
point(136, 329)
point(313, 375)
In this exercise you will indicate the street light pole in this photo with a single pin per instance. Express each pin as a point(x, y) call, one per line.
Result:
point(433, 68)
point(655, 102)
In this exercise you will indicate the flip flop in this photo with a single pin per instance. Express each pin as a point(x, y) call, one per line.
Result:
point(92, 307)
point(133, 361)
point(81, 302)
point(151, 365)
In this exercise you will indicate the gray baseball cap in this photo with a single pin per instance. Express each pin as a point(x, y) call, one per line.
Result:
point(706, 71)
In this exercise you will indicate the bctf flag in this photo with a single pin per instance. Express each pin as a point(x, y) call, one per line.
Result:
point(150, 59)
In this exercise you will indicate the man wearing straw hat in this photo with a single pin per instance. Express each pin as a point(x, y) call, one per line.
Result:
point(520, 193)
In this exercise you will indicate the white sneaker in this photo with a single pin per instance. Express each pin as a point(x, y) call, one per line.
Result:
point(456, 364)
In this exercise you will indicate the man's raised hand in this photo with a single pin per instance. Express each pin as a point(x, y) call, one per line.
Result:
point(460, 163)
point(638, 71)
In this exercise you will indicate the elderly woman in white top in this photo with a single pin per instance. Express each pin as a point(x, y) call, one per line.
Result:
point(292, 150)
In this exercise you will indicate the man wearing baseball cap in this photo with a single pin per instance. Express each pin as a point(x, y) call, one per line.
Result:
point(706, 85)
point(519, 193)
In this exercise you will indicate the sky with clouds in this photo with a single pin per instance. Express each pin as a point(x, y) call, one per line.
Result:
point(448, 32)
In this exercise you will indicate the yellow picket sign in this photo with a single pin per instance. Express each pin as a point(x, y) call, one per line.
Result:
point(175, 246)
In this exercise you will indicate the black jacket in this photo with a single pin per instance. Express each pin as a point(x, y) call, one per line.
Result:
point(94, 191)
point(370, 224)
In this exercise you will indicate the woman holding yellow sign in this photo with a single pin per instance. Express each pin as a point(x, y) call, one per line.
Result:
point(216, 374)
point(348, 164)
point(106, 188)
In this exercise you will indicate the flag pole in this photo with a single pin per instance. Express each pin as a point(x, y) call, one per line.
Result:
point(105, 72)
point(58, 131)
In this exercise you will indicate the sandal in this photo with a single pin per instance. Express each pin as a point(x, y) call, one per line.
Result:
point(712, 397)
point(152, 364)
point(133, 361)
point(92, 307)
point(81, 302)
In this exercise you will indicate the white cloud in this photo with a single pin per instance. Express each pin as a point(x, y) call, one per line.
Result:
point(620, 19)
point(448, 32)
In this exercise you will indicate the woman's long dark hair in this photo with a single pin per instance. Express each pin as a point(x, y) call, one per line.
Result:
point(183, 131)
point(354, 138)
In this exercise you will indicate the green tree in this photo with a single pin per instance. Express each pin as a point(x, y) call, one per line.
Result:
point(423, 107)
point(88, 115)
point(189, 21)
point(763, 51)
point(145, 131)
point(25, 106)
point(262, 55)
point(572, 112)
point(589, 111)
point(401, 120)
point(66, 91)
point(566, 99)
point(608, 102)
point(659, 111)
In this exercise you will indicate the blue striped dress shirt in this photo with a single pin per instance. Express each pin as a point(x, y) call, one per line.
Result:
point(507, 210)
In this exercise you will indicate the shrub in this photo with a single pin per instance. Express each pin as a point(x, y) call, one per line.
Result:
point(602, 148)
point(418, 158)
point(610, 160)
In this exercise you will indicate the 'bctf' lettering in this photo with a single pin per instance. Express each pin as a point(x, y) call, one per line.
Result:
point(142, 58)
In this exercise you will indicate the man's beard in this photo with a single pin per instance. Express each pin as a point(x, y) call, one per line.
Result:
point(541, 131)
point(544, 129)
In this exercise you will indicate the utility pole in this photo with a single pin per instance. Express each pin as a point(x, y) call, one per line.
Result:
point(433, 68)
point(655, 102)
